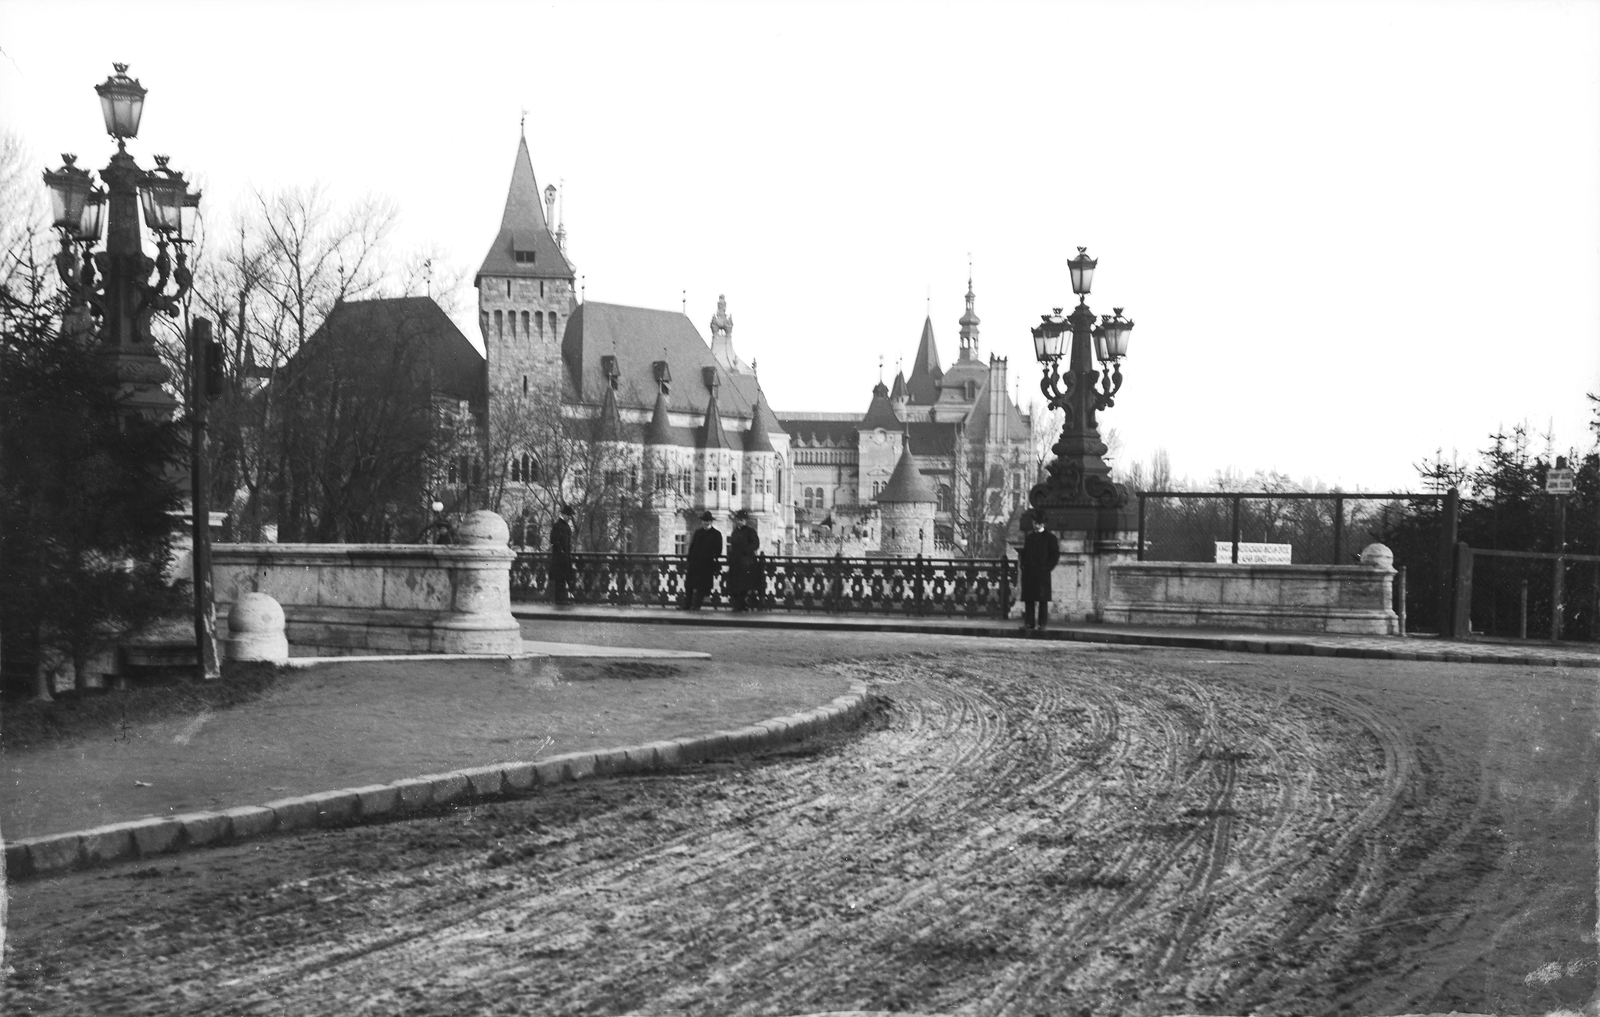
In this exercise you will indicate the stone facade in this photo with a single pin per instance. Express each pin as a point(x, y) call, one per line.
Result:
point(1284, 598)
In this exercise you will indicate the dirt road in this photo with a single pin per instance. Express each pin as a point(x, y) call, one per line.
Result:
point(1037, 830)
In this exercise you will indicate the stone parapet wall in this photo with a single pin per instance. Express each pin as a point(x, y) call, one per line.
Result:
point(1278, 598)
point(377, 598)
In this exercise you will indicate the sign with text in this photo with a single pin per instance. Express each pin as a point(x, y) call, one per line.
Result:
point(1254, 554)
point(1558, 481)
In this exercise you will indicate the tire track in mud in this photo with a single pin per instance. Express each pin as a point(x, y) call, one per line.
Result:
point(1035, 831)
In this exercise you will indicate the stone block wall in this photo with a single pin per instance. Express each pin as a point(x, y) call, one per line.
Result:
point(1288, 598)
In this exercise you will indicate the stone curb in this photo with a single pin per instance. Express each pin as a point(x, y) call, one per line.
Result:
point(1460, 652)
point(159, 835)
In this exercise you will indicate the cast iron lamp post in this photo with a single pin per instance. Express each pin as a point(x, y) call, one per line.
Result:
point(115, 286)
point(1078, 493)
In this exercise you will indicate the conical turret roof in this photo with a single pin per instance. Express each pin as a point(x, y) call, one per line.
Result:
point(907, 484)
point(711, 435)
point(762, 424)
point(610, 423)
point(898, 391)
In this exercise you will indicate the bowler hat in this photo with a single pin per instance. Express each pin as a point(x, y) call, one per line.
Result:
point(706, 517)
point(742, 514)
point(566, 510)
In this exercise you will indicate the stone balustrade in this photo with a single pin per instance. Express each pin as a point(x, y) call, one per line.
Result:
point(343, 599)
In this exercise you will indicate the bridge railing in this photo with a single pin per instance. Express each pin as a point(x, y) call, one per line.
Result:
point(949, 587)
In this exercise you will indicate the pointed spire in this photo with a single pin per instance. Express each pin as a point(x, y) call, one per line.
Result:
point(660, 430)
point(609, 427)
point(969, 322)
point(879, 412)
point(524, 246)
point(923, 382)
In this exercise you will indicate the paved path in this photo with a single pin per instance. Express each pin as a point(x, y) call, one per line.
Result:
point(1024, 828)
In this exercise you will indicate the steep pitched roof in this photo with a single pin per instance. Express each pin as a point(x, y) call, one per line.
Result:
point(932, 438)
point(907, 484)
point(880, 413)
point(660, 430)
point(455, 367)
point(978, 418)
point(813, 433)
point(610, 422)
point(523, 228)
point(638, 337)
point(898, 391)
point(923, 385)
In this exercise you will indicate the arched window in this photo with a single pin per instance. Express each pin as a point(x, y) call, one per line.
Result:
point(877, 488)
point(513, 323)
point(555, 332)
point(538, 320)
point(483, 321)
point(525, 330)
point(499, 324)
point(734, 485)
point(516, 470)
point(945, 499)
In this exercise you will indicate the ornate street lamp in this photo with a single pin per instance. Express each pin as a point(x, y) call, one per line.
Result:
point(1078, 494)
point(116, 305)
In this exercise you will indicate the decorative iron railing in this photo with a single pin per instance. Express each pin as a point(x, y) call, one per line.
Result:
point(975, 587)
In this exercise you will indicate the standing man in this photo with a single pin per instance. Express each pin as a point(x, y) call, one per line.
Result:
point(1040, 552)
point(705, 554)
point(744, 568)
point(561, 570)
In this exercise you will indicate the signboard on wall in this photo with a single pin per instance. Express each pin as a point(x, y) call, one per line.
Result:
point(1254, 554)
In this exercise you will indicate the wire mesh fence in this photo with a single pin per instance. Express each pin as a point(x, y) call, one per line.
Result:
point(1514, 595)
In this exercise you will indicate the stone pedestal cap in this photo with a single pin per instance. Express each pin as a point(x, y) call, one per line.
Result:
point(483, 527)
point(1377, 555)
point(256, 629)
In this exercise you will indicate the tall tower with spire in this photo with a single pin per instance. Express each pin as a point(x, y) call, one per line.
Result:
point(526, 291)
point(969, 323)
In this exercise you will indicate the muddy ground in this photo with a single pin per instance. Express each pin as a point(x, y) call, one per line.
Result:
point(1033, 830)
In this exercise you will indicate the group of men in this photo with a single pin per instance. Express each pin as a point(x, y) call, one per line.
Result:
point(744, 584)
point(1040, 553)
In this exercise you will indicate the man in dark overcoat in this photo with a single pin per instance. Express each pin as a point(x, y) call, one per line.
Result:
point(1040, 552)
point(744, 568)
point(562, 572)
point(705, 561)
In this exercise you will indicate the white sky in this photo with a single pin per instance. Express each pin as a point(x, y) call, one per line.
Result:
point(1349, 233)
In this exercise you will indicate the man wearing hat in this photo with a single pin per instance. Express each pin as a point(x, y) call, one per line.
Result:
point(1040, 552)
point(561, 571)
point(744, 568)
point(705, 554)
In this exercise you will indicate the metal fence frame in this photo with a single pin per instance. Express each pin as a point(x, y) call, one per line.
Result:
point(1239, 497)
point(918, 587)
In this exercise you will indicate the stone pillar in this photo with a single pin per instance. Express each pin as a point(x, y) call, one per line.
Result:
point(481, 591)
point(1080, 586)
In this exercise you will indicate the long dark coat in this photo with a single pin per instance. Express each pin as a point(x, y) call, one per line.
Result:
point(744, 568)
point(1040, 552)
point(561, 570)
point(705, 554)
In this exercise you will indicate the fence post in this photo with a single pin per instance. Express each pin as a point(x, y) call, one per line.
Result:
point(1559, 575)
point(1141, 526)
point(1338, 530)
point(1461, 624)
point(1005, 582)
point(1445, 596)
point(1522, 611)
point(1236, 502)
point(917, 587)
point(1400, 596)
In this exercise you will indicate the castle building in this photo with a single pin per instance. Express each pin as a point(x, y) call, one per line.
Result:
point(962, 429)
point(625, 412)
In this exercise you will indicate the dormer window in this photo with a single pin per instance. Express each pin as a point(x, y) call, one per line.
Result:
point(524, 257)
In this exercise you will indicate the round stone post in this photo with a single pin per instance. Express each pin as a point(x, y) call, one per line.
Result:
point(480, 577)
point(256, 630)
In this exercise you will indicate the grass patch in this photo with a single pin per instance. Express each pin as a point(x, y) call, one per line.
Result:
point(75, 716)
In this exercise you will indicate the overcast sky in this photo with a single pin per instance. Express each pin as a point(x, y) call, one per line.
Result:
point(1348, 233)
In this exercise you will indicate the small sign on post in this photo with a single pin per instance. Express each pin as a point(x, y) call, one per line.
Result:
point(1558, 480)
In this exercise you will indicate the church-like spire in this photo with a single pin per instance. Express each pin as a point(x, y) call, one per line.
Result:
point(712, 435)
point(969, 323)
